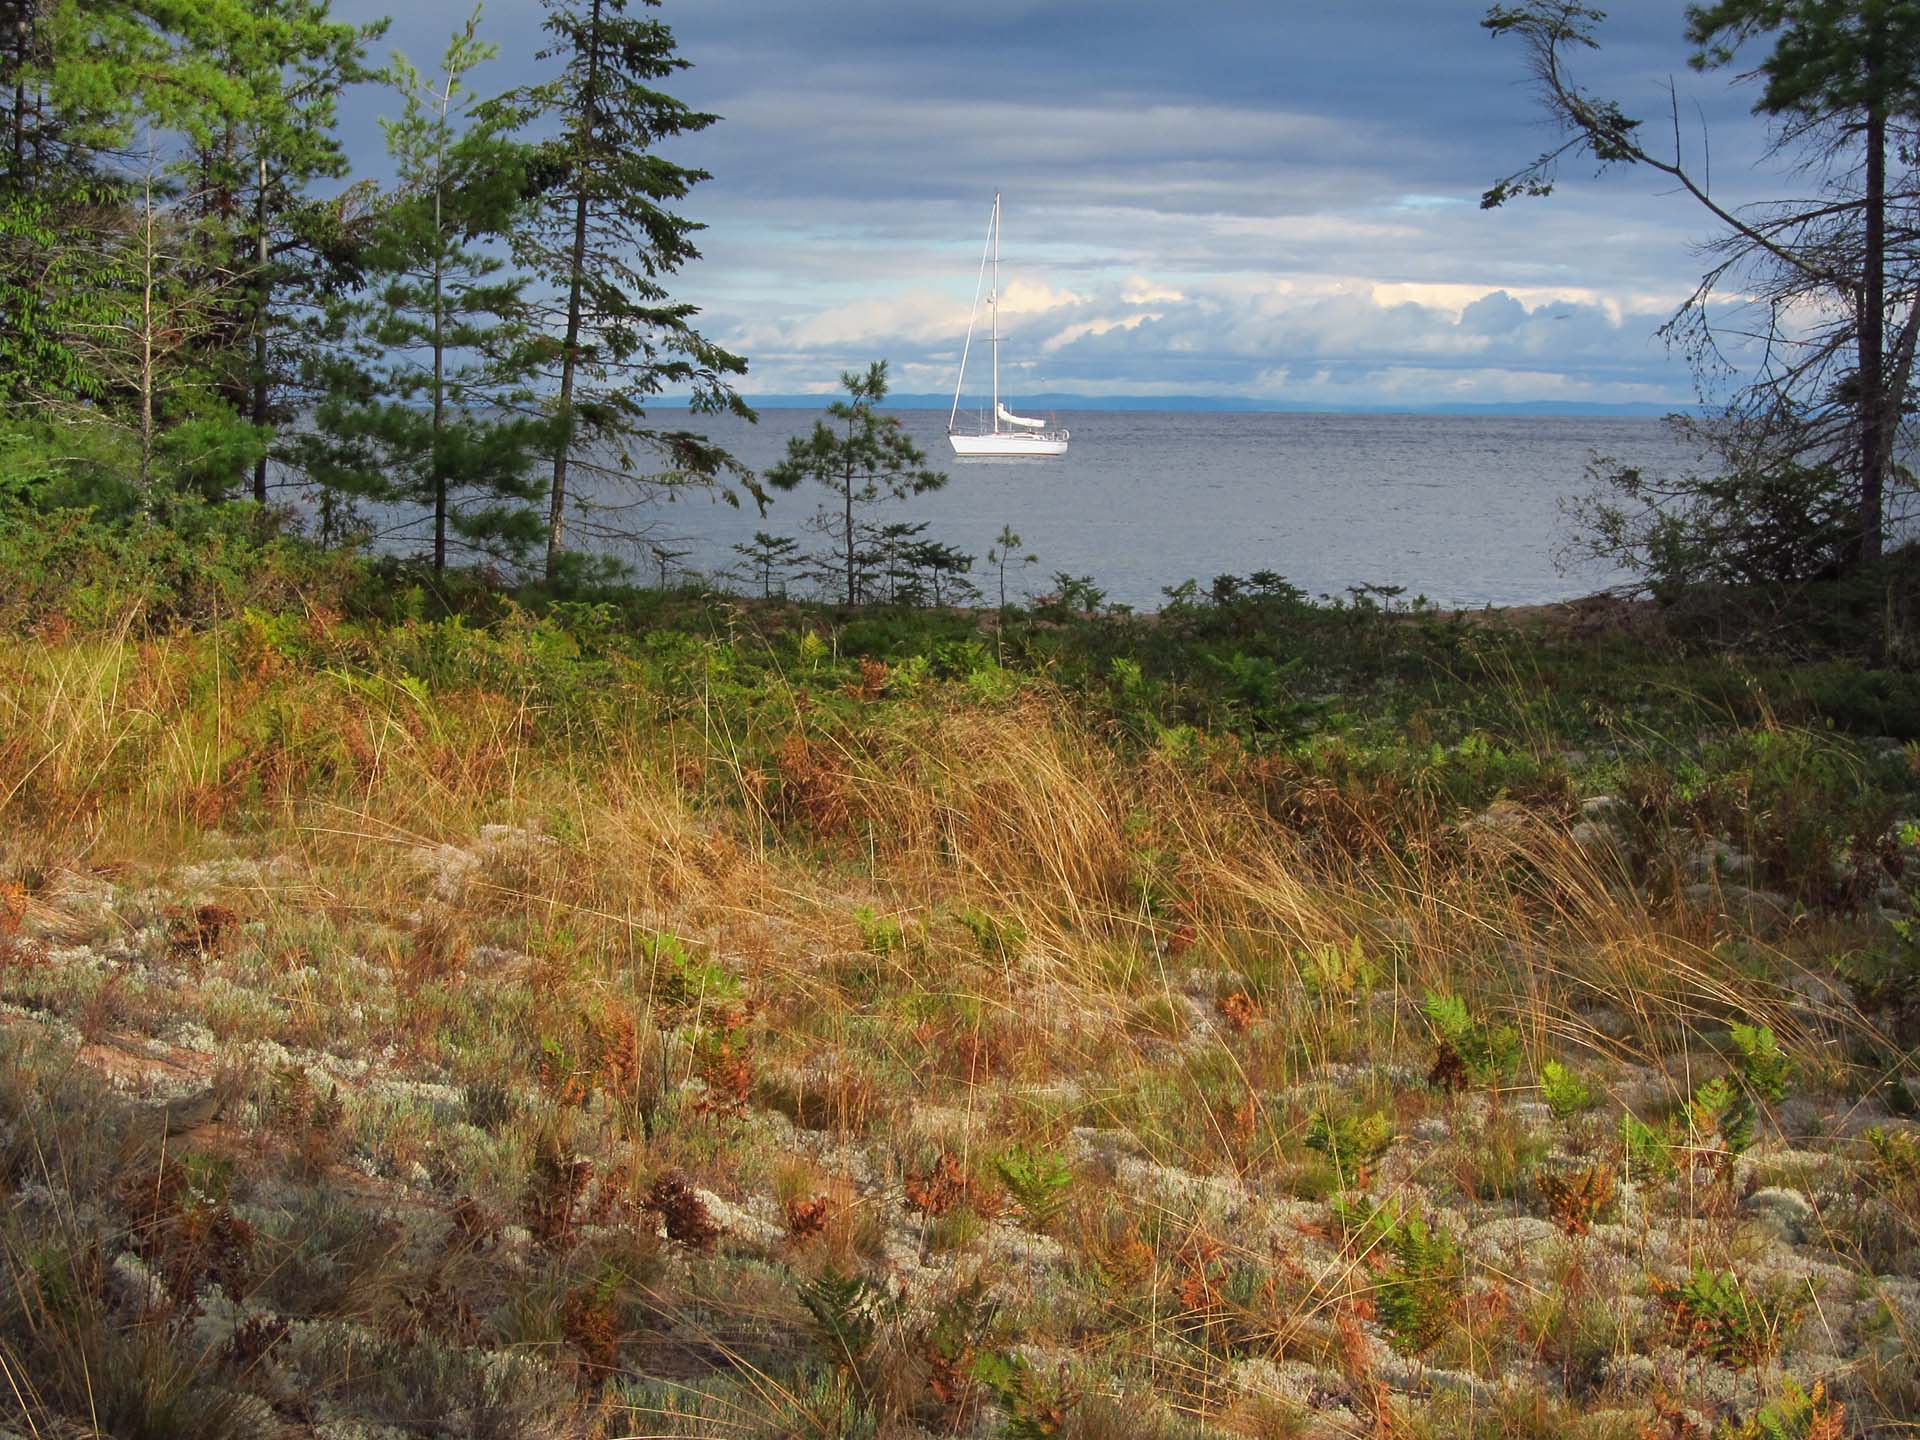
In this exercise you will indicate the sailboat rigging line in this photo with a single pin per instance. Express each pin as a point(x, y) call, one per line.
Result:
point(979, 280)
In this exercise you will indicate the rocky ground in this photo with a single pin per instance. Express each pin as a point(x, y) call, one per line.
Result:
point(348, 1160)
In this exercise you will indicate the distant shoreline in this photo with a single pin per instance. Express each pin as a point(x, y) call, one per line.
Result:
point(1222, 405)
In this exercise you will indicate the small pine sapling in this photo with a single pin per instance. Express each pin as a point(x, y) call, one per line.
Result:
point(1037, 1180)
point(1351, 1144)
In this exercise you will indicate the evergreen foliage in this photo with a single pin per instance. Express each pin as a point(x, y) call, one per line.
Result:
point(429, 404)
point(598, 237)
point(868, 460)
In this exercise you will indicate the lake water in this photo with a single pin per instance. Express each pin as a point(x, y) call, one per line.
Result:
point(1466, 510)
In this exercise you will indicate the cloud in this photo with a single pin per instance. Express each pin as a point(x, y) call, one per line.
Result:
point(1236, 197)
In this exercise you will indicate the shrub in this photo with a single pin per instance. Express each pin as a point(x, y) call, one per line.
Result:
point(1351, 1144)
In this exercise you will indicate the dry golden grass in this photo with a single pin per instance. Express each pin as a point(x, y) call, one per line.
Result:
point(953, 929)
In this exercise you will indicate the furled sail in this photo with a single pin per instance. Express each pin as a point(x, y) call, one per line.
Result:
point(1007, 417)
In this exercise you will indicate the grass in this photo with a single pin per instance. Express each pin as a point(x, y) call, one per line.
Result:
point(676, 1016)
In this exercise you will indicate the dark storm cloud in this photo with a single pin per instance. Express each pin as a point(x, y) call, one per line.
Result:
point(1277, 200)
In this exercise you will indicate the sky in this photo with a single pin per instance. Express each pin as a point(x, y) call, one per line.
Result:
point(1267, 202)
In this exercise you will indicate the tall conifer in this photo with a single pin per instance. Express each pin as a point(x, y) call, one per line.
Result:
point(600, 236)
point(439, 416)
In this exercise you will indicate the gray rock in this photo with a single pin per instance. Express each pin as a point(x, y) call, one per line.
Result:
point(1787, 1213)
point(1717, 860)
point(1762, 911)
point(1595, 839)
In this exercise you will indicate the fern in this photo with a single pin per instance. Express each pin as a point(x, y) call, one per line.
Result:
point(1714, 1315)
point(1649, 1151)
point(1334, 973)
point(1796, 1415)
point(1416, 1298)
point(1566, 1093)
point(997, 936)
point(682, 982)
point(1486, 1054)
point(1762, 1065)
point(879, 934)
point(847, 1311)
point(1896, 1154)
point(1037, 1408)
point(1366, 1225)
point(1719, 1106)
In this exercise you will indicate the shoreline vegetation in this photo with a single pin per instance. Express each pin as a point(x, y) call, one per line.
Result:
point(509, 1001)
point(433, 1008)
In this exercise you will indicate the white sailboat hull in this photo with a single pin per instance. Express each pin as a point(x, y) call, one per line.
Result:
point(1013, 437)
point(1008, 446)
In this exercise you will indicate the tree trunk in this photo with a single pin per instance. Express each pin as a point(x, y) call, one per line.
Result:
point(261, 297)
point(570, 357)
point(439, 423)
point(1872, 322)
point(146, 350)
point(851, 589)
point(439, 340)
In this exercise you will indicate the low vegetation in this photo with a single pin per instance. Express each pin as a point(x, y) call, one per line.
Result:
point(430, 1009)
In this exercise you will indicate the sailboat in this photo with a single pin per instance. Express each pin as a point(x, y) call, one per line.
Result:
point(1011, 436)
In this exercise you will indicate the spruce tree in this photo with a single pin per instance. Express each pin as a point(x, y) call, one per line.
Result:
point(438, 415)
point(770, 555)
point(601, 234)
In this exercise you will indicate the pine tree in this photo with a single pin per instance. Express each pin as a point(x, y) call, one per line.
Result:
point(1827, 288)
point(104, 301)
point(1006, 551)
point(440, 415)
point(70, 91)
point(770, 556)
point(1854, 63)
point(142, 340)
point(601, 235)
point(870, 461)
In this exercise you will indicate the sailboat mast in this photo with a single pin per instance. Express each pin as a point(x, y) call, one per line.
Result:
point(996, 312)
point(966, 349)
